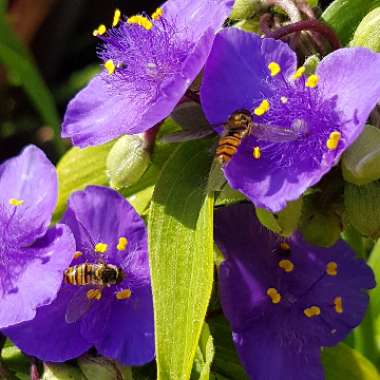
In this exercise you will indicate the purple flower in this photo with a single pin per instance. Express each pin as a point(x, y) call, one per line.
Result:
point(116, 319)
point(149, 62)
point(301, 125)
point(32, 257)
point(286, 299)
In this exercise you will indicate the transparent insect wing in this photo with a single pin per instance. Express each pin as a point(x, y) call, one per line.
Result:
point(79, 305)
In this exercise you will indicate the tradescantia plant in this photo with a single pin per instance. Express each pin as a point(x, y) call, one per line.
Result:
point(219, 237)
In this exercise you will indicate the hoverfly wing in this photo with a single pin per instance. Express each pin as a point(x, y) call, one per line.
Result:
point(78, 306)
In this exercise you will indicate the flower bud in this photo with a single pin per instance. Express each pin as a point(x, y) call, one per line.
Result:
point(62, 372)
point(127, 161)
point(361, 161)
point(368, 33)
point(244, 9)
point(100, 368)
point(311, 64)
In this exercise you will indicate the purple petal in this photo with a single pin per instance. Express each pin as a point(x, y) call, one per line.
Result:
point(32, 179)
point(48, 336)
point(236, 74)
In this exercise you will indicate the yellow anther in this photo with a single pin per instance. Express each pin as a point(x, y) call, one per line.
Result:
point(285, 246)
point(312, 311)
point(99, 31)
point(94, 294)
point(338, 302)
point(262, 108)
point(16, 202)
point(332, 268)
point(142, 21)
point(110, 66)
point(299, 72)
point(286, 265)
point(312, 81)
point(274, 68)
point(123, 241)
point(256, 152)
point(157, 14)
point(274, 295)
point(116, 17)
point(284, 99)
point(333, 140)
point(78, 254)
point(123, 294)
point(101, 247)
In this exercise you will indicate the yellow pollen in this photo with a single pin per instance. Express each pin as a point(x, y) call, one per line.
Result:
point(285, 246)
point(274, 295)
point(78, 254)
point(101, 247)
point(262, 108)
point(332, 268)
point(110, 66)
point(123, 241)
point(286, 265)
point(333, 140)
point(140, 20)
point(338, 302)
point(312, 81)
point(157, 14)
point(94, 294)
point(299, 72)
point(123, 294)
point(99, 31)
point(284, 99)
point(312, 311)
point(256, 152)
point(116, 17)
point(274, 68)
point(16, 202)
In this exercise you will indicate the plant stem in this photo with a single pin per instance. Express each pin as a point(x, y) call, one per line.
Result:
point(289, 7)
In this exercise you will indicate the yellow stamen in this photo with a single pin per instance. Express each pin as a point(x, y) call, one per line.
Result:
point(285, 246)
point(312, 81)
point(157, 14)
point(101, 247)
point(262, 108)
point(78, 254)
point(284, 99)
point(100, 30)
point(256, 152)
point(338, 302)
point(286, 265)
point(333, 140)
point(274, 295)
point(94, 294)
point(16, 202)
point(312, 311)
point(274, 68)
point(299, 72)
point(140, 20)
point(116, 17)
point(123, 294)
point(332, 268)
point(110, 66)
point(123, 241)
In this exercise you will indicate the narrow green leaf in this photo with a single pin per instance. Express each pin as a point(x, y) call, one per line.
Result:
point(19, 62)
point(374, 263)
point(181, 257)
point(343, 363)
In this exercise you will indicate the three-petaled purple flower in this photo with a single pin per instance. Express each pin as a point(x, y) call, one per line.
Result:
point(149, 64)
point(116, 319)
point(286, 299)
point(32, 257)
point(301, 125)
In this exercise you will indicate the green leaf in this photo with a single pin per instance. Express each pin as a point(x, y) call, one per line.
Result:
point(345, 15)
point(343, 363)
point(79, 168)
point(368, 34)
point(20, 63)
point(181, 257)
point(374, 263)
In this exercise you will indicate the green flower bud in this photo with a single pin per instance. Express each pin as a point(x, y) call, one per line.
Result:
point(361, 161)
point(368, 32)
point(244, 9)
point(127, 161)
point(62, 372)
point(100, 368)
point(251, 25)
point(311, 64)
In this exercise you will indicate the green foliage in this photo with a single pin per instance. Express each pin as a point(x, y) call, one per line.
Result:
point(244, 9)
point(98, 368)
point(368, 32)
point(181, 257)
point(62, 372)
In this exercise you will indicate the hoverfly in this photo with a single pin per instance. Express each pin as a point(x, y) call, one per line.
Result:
point(240, 124)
